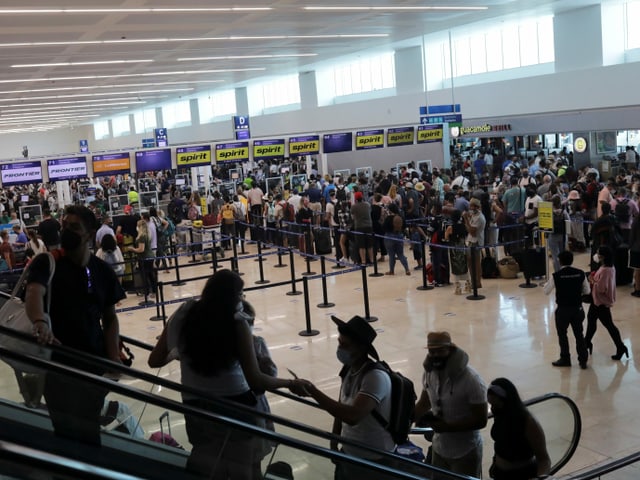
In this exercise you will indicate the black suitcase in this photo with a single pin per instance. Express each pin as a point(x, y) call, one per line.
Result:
point(322, 239)
point(532, 262)
point(624, 274)
point(489, 267)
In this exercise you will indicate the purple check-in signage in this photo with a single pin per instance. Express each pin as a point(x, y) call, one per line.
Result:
point(153, 160)
point(67, 168)
point(337, 142)
point(307, 145)
point(20, 173)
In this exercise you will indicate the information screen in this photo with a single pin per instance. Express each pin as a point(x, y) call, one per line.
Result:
point(67, 168)
point(21, 173)
point(337, 142)
point(152, 160)
point(111, 164)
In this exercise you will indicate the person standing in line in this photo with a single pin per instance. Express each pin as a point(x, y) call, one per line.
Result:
point(519, 442)
point(393, 229)
point(454, 404)
point(556, 238)
point(474, 222)
point(603, 293)
point(84, 292)
point(570, 284)
point(254, 198)
point(49, 230)
point(363, 227)
point(145, 258)
point(634, 255)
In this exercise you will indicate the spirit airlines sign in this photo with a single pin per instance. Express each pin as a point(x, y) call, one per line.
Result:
point(193, 156)
point(232, 152)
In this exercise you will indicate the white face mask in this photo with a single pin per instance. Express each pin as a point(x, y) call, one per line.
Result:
point(596, 258)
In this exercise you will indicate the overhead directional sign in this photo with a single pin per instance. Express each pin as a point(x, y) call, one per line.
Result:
point(435, 119)
point(437, 114)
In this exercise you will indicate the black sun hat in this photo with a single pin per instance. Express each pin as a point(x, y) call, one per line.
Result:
point(359, 330)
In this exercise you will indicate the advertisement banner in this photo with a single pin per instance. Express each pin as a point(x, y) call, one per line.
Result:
point(267, 149)
point(545, 216)
point(199, 155)
point(308, 145)
point(152, 160)
point(367, 139)
point(337, 142)
point(20, 173)
point(429, 133)
point(232, 152)
point(111, 164)
point(400, 136)
point(67, 168)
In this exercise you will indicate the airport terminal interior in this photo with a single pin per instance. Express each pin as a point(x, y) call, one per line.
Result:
point(529, 76)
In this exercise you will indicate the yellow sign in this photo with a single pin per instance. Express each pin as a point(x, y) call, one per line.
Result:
point(370, 141)
point(190, 158)
point(268, 150)
point(431, 135)
point(235, 154)
point(580, 144)
point(304, 145)
point(545, 216)
point(400, 138)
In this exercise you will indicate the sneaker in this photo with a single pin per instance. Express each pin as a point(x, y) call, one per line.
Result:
point(417, 267)
point(636, 293)
point(564, 362)
point(408, 272)
point(458, 289)
point(583, 365)
point(467, 287)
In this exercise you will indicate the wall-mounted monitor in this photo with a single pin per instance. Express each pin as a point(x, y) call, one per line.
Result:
point(24, 198)
point(20, 173)
point(337, 142)
point(111, 164)
point(153, 160)
point(268, 149)
point(67, 168)
point(400, 136)
point(232, 152)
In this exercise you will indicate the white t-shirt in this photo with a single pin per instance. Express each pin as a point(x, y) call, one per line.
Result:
point(376, 384)
point(530, 204)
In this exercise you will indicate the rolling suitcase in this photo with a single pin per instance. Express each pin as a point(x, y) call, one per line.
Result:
point(322, 239)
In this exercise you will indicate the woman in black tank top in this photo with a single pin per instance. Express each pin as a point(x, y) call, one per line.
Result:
point(519, 442)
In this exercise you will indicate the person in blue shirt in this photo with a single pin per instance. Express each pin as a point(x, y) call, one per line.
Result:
point(21, 237)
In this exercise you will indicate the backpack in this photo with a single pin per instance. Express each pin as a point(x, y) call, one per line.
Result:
point(397, 223)
point(110, 258)
point(622, 211)
point(403, 400)
point(384, 213)
point(175, 211)
point(227, 213)
point(288, 212)
point(239, 214)
point(341, 193)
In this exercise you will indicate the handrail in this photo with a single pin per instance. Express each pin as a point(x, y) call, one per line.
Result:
point(179, 407)
point(605, 468)
point(25, 460)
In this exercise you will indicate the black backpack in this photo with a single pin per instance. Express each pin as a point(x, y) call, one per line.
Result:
point(341, 193)
point(403, 401)
point(622, 211)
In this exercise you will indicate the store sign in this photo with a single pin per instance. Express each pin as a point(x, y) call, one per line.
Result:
point(486, 128)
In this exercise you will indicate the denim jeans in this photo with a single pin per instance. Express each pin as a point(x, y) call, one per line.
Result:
point(395, 249)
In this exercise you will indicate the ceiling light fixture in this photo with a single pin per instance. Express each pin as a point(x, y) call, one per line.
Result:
point(79, 64)
point(40, 11)
point(390, 8)
point(94, 87)
point(100, 94)
point(243, 57)
point(128, 75)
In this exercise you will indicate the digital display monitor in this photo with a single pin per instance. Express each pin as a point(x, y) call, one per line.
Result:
point(24, 198)
point(306, 145)
point(21, 173)
point(180, 181)
point(193, 156)
point(111, 164)
point(67, 168)
point(153, 160)
point(400, 136)
point(337, 142)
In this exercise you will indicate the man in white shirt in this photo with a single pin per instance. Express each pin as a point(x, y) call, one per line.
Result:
point(105, 229)
point(531, 212)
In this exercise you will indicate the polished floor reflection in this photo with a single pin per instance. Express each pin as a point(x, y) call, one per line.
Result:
point(509, 333)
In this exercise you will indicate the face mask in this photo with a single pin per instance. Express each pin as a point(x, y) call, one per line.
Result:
point(525, 175)
point(70, 240)
point(596, 258)
point(344, 356)
point(435, 363)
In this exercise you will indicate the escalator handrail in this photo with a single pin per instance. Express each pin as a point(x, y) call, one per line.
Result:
point(605, 468)
point(182, 408)
point(32, 460)
point(577, 431)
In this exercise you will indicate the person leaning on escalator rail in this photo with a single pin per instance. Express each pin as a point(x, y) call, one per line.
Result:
point(84, 292)
point(520, 450)
point(213, 341)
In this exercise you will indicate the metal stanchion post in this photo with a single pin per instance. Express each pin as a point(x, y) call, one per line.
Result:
point(307, 311)
point(280, 264)
point(475, 251)
point(235, 266)
point(293, 275)
point(365, 293)
point(325, 303)
point(214, 254)
point(178, 282)
point(375, 260)
point(193, 252)
point(262, 281)
point(424, 285)
point(159, 299)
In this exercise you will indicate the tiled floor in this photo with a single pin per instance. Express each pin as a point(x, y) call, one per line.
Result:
point(510, 333)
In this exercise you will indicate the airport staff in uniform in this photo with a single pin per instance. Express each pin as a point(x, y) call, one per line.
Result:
point(570, 284)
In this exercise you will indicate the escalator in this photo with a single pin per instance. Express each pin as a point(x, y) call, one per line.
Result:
point(293, 443)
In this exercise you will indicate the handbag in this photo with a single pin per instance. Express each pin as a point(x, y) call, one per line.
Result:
point(13, 315)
